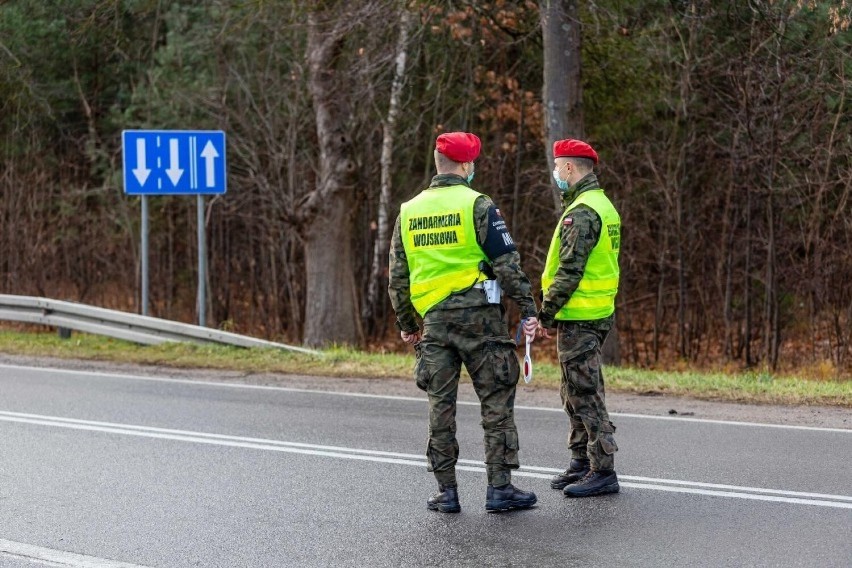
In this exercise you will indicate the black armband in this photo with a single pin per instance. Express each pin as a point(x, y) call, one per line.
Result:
point(498, 240)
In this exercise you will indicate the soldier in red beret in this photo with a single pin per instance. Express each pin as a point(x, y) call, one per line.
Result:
point(451, 254)
point(579, 285)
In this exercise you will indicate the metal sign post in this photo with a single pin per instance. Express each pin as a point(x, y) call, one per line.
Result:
point(144, 257)
point(202, 264)
point(169, 162)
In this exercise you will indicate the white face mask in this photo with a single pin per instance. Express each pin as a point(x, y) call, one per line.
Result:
point(560, 183)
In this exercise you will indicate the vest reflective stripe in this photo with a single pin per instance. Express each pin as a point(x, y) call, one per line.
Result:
point(594, 297)
point(439, 238)
point(606, 284)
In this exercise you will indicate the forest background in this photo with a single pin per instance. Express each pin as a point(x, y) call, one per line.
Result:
point(723, 129)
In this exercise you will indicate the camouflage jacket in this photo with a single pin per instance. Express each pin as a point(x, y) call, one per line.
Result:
point(576, 243)
point(507, 269)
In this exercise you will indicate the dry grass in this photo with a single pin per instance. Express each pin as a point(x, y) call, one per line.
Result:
point(755, 387)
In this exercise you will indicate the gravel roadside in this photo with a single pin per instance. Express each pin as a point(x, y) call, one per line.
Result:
point(528, 395)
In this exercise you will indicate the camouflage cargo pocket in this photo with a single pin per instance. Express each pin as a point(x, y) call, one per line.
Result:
point(421, 372)
point(574, 341)
point(606, 439)
point(510, 457)
point(504, 361)
point(430, 458)
point(582, 373)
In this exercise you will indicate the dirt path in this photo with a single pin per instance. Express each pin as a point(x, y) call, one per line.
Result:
point(821, 416)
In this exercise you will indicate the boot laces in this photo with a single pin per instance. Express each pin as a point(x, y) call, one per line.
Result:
point(588, 477)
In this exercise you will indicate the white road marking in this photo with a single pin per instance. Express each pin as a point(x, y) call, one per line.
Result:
point(401, 398)
point(729, 422)
point(53, 557)
point(701, 484)
point(670, 485)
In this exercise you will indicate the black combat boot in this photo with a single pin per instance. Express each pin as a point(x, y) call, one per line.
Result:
point(575, 472)
point(446, 500)
point(508, 497)
point(593, 483)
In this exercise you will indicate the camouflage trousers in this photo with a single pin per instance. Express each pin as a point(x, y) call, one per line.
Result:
point(582, 392)
point(478, 338)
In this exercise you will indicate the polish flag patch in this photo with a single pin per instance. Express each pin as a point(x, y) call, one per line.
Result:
point(567, 221)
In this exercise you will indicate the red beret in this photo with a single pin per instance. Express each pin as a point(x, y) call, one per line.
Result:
point(574, 149)
point(459, 146)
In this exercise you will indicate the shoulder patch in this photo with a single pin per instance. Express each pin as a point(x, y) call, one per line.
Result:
point(567, 221)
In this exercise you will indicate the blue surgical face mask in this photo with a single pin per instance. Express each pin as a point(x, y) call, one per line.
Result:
point(560, 183)
point(470, 176)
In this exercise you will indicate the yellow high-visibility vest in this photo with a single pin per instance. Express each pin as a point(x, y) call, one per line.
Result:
point(594, 297)
point(439, 237)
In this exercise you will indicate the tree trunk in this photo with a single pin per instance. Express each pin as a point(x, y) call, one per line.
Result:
point(330, 312)
point(681, 274)
point(659, 308)
point(747, 291)
point(563, 95)
point(380, 246)
point(771, 334)
point(611, 349)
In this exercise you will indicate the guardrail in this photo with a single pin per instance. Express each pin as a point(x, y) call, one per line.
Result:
point(122, 325)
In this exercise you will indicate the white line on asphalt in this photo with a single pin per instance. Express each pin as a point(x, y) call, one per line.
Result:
point(671, 485)
point(731, 494)
point(730, 422)
point(401, 398)
point(52, 557)
point(700, 484)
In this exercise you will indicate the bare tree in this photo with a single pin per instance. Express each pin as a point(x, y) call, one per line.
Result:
point(330, 310)
point(380, 245)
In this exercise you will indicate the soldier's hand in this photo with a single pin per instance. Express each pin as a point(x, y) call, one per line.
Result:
point(410, 338)
point(545, 333)
point(530, 327)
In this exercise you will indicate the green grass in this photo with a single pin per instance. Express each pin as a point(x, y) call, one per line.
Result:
point(757, 387)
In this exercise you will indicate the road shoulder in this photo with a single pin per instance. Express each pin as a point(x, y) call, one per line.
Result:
point(528, 395)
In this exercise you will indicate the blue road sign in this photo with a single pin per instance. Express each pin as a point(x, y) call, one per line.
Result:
point(174, 162)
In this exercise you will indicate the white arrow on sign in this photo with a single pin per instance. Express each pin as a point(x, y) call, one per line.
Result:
point(209, 154)
point(174, 172)
point(141, 170)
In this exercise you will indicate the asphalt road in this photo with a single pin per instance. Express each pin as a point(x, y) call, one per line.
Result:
point(111, 471)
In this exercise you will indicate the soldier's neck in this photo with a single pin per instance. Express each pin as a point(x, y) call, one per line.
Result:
point(586, 183)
